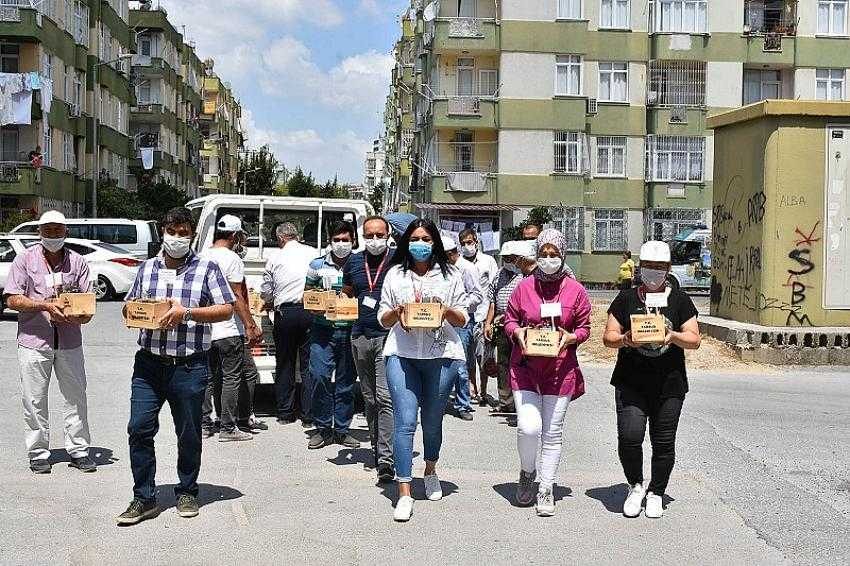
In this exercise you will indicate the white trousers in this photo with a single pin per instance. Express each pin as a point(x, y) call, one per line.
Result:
point(540, 427)
point(36, 369)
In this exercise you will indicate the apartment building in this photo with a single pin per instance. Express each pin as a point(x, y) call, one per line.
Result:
point(222, 135)
point(165, 122)
point(375, 161)
point(64, 88)
point(595, 108)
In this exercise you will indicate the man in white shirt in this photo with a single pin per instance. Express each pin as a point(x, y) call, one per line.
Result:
point(487, 271)
point(283, 287)
point(227, 352)
point(474, 299)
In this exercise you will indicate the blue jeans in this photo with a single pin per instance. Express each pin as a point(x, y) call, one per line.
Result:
point(414, 384)
point(461, 386)
point(333, 402)
point(183, 386)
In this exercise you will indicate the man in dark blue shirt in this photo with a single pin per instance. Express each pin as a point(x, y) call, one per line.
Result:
point(363, 277)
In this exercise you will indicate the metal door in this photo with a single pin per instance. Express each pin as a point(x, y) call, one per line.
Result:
point(837, 230)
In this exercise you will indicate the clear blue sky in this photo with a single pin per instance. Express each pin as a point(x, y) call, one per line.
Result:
point(312, 75)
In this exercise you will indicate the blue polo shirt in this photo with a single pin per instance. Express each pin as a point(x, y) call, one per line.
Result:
point(354, 276)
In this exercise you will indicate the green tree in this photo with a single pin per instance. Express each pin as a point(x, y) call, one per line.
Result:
point(377, 198)
point(301, 185)
point(259, 173)
point(540, 215)
point(115, 202)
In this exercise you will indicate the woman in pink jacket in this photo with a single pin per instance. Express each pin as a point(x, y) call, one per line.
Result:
point(543, 387)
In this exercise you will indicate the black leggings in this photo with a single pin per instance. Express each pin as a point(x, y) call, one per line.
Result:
point(633, 410)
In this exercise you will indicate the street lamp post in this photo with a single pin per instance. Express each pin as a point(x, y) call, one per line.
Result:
point(245, 179)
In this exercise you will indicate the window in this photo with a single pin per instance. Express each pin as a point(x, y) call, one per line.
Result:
point(116, 233)
point(609, 233)
point(570, 221)
point(761, 85)
point(568, 75)
point(614, 82)
point(9, 143)
point(145, 45)
point(611, 156)
point(9, 57)
point(144, 93)
point(679, 16)
point(465, 8)
point(676, 83)
point(830, 84)
point(465, 76)
point(568, 153)
point(47, 65)
point(46, 145)
point(832, 17)
point(69, 156)
point(675, 158)
point(488, 82)
point(666, 224)
point(7, 252)
point(614, 14)
point(569, 9)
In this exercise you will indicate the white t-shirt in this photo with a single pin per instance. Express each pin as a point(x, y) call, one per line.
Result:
point(233, 268)
point(487, 271)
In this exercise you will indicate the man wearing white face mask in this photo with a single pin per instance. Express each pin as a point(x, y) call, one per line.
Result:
point(331, 363)
point(51, 342)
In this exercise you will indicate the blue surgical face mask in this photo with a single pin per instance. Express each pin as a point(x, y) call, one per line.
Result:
point(420, 251)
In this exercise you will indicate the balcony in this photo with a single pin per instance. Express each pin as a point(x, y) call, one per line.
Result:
point(20, 179)
point(465, 112)
point(770, 17)
point(466, 34)
point(442, 191)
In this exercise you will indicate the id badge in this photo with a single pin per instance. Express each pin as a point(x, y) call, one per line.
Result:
point(549, 310)
point(168, 276)
point(657, 300)
point(369, 302)
point(53, 279)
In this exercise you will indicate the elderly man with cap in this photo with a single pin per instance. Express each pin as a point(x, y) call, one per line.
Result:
point(474, 297)
point(51, 342)
point(231, 383)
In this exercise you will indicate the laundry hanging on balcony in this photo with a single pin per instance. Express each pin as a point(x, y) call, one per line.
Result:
point(147, 158)
point(15, 99)
point(466, 181)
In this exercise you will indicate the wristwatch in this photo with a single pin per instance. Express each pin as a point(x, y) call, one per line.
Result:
point(187, 316)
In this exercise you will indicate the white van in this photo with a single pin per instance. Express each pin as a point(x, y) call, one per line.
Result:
point(135, 236)
point(261, 216)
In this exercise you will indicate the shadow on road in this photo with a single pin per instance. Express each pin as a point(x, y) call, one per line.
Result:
point(508, 491)
point(207, 494)
point(613, 496)
point(390, 490)
point(349, 456)
point(101, 456)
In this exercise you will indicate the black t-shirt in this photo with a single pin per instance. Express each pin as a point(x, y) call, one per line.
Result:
point(658, 370)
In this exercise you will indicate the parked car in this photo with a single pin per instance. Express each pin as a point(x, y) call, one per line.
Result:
point(134, 236)
point(113, 270)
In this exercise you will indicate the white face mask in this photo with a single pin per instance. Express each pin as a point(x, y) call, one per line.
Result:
point(341, 249)
point(469, 250)
point(512, 267)
point(376, 246)
point(53, 245)
point(653, 279)
point(175, 246)
point(549, 265)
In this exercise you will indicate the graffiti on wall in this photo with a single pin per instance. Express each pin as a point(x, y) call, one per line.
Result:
point(799, 281)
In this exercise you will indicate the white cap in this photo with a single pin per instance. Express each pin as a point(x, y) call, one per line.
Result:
point(655, 251)
point(508, 248)
point(229, 223)
point(52, 217)
point(449, 243)
point(526, 248)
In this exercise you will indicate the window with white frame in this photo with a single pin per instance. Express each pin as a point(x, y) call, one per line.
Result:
point(675, 158)
point(70, 158)
point(614, 14)
point(679, 16)
point(676, 83)
point(613, 82)
point(77, 101)
point(570, 153)
point(611, 156)
point(570, 222)
point(761, 85)
point(832, 17)
point(81, 23)
point(667, 223)
point(568, 71)
point(47, 65)
point(569, 9)
point(829, 84)
point(609, 234)
point(9, 57)
point(488, 82)
point(46, 145)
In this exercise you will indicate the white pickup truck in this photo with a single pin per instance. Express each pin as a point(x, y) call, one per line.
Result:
point(260, 217)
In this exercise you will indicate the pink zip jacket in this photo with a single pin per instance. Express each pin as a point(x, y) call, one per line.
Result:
point(549, 376)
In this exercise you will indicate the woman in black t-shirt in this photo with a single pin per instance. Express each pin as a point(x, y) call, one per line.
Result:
point(650, 379)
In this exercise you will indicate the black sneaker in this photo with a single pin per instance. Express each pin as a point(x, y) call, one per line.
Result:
point(386, 474)
point(137, 512)
point(347, 440)
point(255, 424)
point(208, 432)
point(187, 506)
point(465, 415)
point(306, 423)
point(84, 464)
point(320, 440)
point(40, 466)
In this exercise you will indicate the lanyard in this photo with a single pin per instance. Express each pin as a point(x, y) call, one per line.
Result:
point(50, 269)
point(377, 273)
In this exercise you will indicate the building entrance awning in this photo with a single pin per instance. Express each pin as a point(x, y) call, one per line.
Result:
point(467, 207)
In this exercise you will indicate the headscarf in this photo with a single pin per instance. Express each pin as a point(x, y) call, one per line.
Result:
point(554, 237)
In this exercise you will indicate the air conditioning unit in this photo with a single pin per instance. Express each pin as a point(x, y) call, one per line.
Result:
point(592, 107)
point(679, 115)
point(676, 190)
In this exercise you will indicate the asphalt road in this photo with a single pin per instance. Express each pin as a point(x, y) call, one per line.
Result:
point(761, 478)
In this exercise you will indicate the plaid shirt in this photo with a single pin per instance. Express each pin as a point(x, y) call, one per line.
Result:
point(199, 283)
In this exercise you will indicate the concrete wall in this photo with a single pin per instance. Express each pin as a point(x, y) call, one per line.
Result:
point(525, 10)
point(526, 152)
point(527, 75)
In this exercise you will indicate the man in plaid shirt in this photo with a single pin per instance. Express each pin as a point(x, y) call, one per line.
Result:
point(172, 363)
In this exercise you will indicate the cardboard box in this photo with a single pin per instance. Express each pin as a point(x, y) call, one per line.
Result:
point(255, 303)
point(423, 315)
point(648, 328)
point(342, 309)
point(542, 343)
point(77, 304)
point(146, 313)
point(317, 301)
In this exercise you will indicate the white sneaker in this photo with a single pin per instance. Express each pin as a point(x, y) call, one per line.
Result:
point(545, 502)
point(403, 509)
point(433, 489)
point(634, 501)
point(654, 506)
